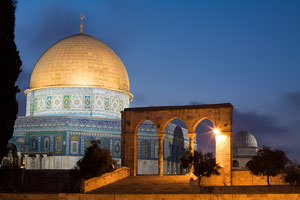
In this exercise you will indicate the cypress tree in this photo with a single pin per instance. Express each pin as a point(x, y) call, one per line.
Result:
point(10, 66)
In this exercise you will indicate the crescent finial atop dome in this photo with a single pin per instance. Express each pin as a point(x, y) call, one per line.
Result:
point(81, 24)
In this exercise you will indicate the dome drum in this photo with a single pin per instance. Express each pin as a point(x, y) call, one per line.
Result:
point(76, 101)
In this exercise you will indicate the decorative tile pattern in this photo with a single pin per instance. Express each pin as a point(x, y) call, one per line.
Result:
point(66, 101)
point(121, 105)
point(87, 102)
point(49, 102)
point(77, 101)
point(35, 102)
point(114, 105)
point(57, 102)
point(106, 104)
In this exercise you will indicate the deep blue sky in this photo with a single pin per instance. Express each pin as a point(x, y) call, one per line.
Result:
point(188, 52)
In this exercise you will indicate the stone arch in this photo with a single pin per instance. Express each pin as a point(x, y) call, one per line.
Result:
point(165, 124)
point(199, 121)
point(142, 121)
point(205, 137)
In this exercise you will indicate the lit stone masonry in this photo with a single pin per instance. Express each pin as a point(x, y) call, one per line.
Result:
point(219, 114)
point(223, 154)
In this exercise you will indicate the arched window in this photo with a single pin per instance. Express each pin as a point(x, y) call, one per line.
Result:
point(34, 144)
point(88, 143)
point(145, 149)
point(58, 144)
point(21, 143)
point(46, 144)
point(235, 163)
point(74, 145)
point(117, 148)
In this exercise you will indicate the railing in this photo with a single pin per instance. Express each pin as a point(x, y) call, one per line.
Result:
point(105, 179)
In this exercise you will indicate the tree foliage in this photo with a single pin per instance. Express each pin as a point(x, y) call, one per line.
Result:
point(268, 162)
point(95, 162)
point(204, 165)
point(10, 65)
point(292, 174)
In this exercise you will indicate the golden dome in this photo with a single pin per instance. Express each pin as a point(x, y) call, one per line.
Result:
point(80, 61)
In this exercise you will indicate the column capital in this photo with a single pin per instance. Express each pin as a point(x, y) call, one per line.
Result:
point(191, 135)
point(37, 155)
point(160, 135)
point(26, 155)
point(44, 155)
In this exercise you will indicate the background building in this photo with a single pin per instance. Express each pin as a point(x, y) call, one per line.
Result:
point(244, 147)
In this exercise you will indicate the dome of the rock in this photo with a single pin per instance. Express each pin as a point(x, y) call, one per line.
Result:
point(80, 61)
point(78, 75)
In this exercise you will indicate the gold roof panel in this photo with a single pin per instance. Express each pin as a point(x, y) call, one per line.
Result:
point(80, 61)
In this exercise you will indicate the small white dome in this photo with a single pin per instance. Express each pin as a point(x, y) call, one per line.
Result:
point(244, 139)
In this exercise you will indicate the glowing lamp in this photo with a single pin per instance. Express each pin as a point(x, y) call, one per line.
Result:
point(216, 131)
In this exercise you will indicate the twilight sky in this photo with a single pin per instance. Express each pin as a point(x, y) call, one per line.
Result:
point(180, 52)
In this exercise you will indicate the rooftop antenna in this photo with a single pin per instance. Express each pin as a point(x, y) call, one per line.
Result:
point(81, 24)
point(243, 126)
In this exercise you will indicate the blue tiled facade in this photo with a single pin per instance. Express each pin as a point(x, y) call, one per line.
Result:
point(57, 135)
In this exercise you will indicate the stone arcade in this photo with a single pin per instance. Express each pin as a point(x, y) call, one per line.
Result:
point(219, 114)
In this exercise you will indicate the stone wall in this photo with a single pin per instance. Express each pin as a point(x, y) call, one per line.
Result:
point(246, 178)
point(52, 181)
point(241, 178)
point(105, 179)
point(4, 196)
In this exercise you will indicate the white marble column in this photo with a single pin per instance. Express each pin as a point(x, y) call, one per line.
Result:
point(37, 161)
point(27, 164)
point(50, 162)
point(19, 159)
point(44, 162)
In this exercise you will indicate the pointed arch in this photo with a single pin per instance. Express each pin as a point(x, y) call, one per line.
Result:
point(166, 123)
point(199, 121)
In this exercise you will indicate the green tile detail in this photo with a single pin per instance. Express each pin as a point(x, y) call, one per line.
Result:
point(87, 102)
point(106, 104)
point(121, 105)
point(66, 101)
point(35, 104)
point(49, 102)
